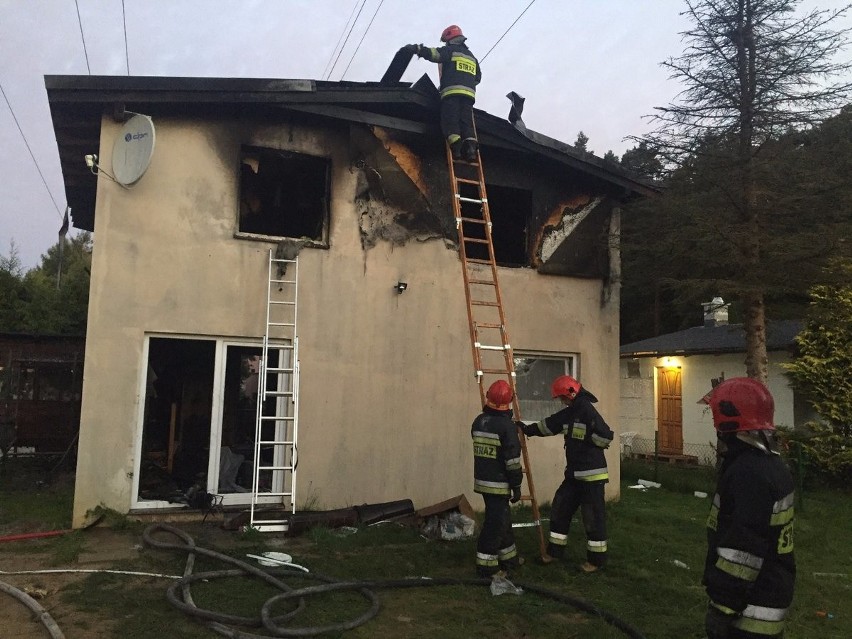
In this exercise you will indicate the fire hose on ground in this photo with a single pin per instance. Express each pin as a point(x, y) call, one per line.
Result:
point(180, 596)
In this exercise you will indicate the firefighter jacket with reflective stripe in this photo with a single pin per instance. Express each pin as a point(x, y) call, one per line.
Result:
point(496, 453)
point(750, 568)
point(459, 69)
point(586, 436)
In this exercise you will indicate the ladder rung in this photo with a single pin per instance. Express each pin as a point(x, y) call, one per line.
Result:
point(467, 181)
point(282, 303)
point(281, 260)
point(470, 200)
point(279, 393)
point(476, 261)
point(486, 325)
point(281, 324)
point(474, 220)
point(276, 418)
point(483, 303)
point(283, 281)
point(496, 371)
point(276, 442)
point(280, 370)
point(484, 347)
point(476, 240)
point(262, 468)
point(486, 282)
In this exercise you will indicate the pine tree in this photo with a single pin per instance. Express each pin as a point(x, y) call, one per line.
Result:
point(753, 71)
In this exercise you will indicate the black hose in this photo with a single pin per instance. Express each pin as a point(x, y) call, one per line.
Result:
point(215, 620)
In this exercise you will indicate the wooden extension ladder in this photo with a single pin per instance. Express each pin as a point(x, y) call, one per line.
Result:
point(489, 338)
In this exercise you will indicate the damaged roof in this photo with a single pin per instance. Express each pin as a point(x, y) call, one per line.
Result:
point(706, 340)
point(77, 104)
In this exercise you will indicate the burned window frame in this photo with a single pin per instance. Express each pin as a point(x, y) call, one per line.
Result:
point(267, 156)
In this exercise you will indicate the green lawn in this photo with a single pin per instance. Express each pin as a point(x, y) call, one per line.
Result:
point(648, 530)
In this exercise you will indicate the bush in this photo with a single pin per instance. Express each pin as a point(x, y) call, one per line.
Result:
point(818, 452)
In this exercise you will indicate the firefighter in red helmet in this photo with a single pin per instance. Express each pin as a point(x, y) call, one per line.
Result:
point(750, 569)
point(497, 477)
point(460, 73)
point(586, 436)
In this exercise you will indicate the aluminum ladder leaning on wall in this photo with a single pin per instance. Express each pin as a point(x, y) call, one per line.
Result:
point(493, 358)
point(277, 417)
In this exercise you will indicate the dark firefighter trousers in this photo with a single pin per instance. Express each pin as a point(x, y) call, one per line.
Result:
point(495, 549)
point(457, 118)
point(571, 495)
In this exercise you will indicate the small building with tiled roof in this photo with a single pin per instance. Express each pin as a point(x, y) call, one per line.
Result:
point(663, 379)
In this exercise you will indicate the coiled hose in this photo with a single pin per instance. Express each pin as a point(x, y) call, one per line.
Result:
point(179, 595)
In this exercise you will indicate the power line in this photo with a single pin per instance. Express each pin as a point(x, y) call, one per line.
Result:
point(21, 131)
point(331, 57)
point(347, 39)
point(362, 39)
point(82, 37)
point(507, 30)
point(124, 21)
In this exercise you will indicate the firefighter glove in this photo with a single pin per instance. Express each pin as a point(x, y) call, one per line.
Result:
point(412, 48)
point(516, 494)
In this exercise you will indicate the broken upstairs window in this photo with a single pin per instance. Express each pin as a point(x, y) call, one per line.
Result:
point(284, 194)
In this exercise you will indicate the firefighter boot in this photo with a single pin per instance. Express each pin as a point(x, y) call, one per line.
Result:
point(456, 149)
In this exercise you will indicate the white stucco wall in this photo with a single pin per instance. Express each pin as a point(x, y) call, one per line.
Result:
point(387, 385)
point(638, 395)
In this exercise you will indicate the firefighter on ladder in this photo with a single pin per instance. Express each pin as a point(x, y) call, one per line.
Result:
point(750, 570)
point(460, 73)
point(497, 476)
point(586, 436)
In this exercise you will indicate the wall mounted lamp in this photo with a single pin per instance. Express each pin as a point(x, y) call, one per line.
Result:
point(400, 287)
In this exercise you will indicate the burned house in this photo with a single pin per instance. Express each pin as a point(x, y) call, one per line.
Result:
point(356, 175)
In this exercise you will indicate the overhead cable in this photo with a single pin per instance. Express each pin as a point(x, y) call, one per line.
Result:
point(362, 39)
point(347, 39)
point(507, 30)
point(331, 57)
point(124, 21)
point(82, 37)
point(21, 131)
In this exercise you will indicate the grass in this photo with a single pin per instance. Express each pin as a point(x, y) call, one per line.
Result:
point(642, 585)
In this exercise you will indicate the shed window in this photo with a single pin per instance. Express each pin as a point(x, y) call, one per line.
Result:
point(633, 371)
point(284, 194)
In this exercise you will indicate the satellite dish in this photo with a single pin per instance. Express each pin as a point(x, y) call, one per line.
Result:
point(131, 153)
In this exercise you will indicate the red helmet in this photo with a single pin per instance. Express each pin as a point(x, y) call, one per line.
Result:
point(565, 386)
point(499, 395)
point(452, 31)
point(741, 404)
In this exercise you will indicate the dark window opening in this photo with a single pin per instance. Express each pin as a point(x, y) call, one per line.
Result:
point(284, 194)
point(633, 371)
point(510, 211)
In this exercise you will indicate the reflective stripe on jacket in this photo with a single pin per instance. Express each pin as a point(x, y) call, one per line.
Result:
point(459, 71)
point(496, 453)
point(586, 436)
point(750, 567)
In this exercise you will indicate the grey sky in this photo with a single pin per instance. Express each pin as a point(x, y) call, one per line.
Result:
point(590, 65)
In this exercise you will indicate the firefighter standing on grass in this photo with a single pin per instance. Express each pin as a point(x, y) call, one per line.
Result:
point(497, 477)
point(586, 436)
point(460, 73)
point(750, 570)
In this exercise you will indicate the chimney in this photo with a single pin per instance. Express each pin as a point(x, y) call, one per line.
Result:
point(715, 312)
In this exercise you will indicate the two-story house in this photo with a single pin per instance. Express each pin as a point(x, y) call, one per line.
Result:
point(358, 172)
